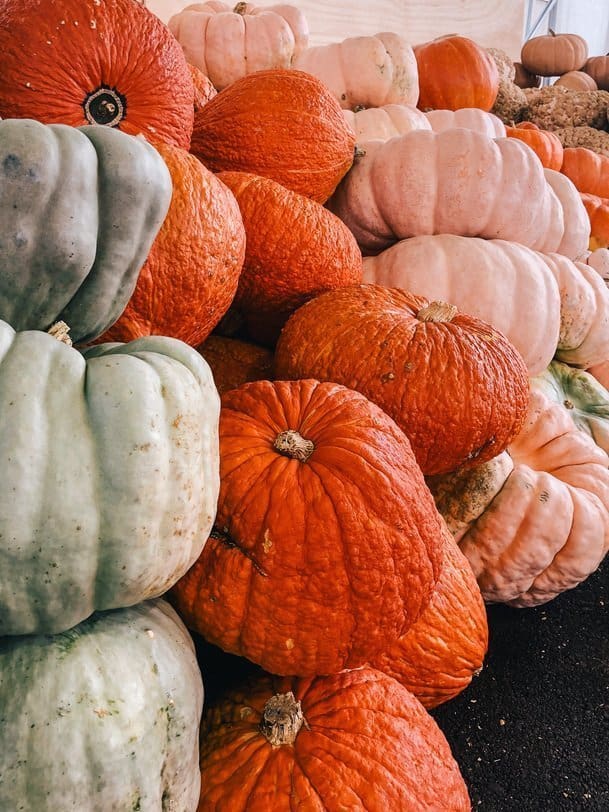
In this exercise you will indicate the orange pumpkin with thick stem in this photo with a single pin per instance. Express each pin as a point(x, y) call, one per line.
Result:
point(83, 62)
point(453, 383)
point(455, 72)
point(234, 362)
point(327, 543)
point(282, 124)
point(295, 250)
point(544, 143)
point(598, 212)
point(353, 741)
point(588, 170)
point(191, 274)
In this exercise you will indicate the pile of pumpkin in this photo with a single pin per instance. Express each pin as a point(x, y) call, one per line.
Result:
point(404, 307)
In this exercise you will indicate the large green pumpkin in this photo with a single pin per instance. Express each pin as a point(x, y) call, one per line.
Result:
point(110, 474)
point(79, 211)
point(102, 717)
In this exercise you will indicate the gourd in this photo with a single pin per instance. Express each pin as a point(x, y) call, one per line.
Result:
point(110, 480)
point(576, 80)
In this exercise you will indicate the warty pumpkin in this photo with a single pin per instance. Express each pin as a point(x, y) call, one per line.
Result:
point(369, 123)
point(108, 62)
point(453, 383)
point(204, 89)
point(471, 118)
point(307, 470)
point(234, 362)
point(103, 716)
point(111, 475)
point(228, 42)
point(282, 124)
point(544, 143)
point(274, 743)
point(80, 210)
point(553, 54)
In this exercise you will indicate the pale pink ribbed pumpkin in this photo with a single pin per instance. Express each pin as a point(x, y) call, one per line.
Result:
point(576, 236)
point(370, 123)
point(471, 118)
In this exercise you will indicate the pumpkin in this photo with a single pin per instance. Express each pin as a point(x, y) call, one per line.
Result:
point(234, 362)
point(545, 528)
point(356, 740)
point(599, 260)
point(229, 42)
point(370, 123)
point(471, 118)
point(453, 182)
point(110, 475)
point(307, 469)
point(502, 283)
point(295, 250)
point(282, 124)
point(204, 90)
point(576, 80)
point(588, 170)
point(191, 274)
point(544, 143)
point(101, 196)
point(524, 78)
point(455, 72)
point(83, 62)
point(365, 71)
point(598, 68)
point(554, 54)
point(576, 236)
point(598, 212)
point(395, 348)
point(441, 652)
point(103, 716)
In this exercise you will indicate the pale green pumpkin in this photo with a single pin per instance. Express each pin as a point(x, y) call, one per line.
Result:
point(102, 717)
point(110, 474)
point(79, 211)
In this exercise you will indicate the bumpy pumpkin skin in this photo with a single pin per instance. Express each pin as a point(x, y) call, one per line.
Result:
point(234, 362)
point(204, 89)
point(301, 528)
point(104, 62)
point(80, 210)
point(191, 274)
point(282, 124)
point(385, 122)
point(454, 384)
point(367, 744)
point(295, 250)
point(597, 209)
point(111, 475)
point(106, 715)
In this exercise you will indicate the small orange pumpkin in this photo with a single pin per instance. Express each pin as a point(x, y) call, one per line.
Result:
point(544, 143)
point(234, 362)
point(598, 212)
point(588, 170)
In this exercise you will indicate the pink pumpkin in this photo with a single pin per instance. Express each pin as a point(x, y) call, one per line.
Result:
point(383, 123)
point(470, 118)
point(576, 236)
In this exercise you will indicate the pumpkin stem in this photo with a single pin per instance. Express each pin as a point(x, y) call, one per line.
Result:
point(240, 8)
point(437, 311)
point(60, 331)
point(551, 32)
point(292, 444)
point(282, 719)
point(358, 152)
point(105, 106)
point(358, 108)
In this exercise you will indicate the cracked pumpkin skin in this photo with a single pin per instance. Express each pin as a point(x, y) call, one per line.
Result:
point(353, 741)
point(327, 544)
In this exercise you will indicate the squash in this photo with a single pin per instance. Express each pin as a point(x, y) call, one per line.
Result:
point(453, 182)
point(192, 271)
point(576, 80)
point(502, 283)
point(80, 210)
point(544, 143)
point(365, 71)
point(597, 209)
point(471, 118)
point(370, 123)
point(295, 250)
point(588, 170)
point(455, 72)
point(356, 740)
point(103, 716)
point(282, 124)
point(554, 54)
point(394, 348)
point(234, 362)
point(598, 68)
point(323, 504)
point(110, 479)
point(229, 42)
point(83, 62)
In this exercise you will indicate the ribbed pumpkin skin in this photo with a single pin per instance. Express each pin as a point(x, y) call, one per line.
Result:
point(55, 53)
point(440, 653)
point(368, 744)
point(234, 362)
point(110, 476)
point(104, 716)
point(471, 118)
point(455, 72)
point(598, 212)
point(544, 143)
point(282, 124)
point(458, 388)
point(554, 54)
point(80, 210)
point(295, 250)
point(588, 170)
point(385, 122)
point(576, 235)
point(598, 68)
point(191, 274)
point(302, 531)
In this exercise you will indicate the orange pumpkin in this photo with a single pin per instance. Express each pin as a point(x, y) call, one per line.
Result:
point(598, 212)
point(234, 362)
point(455, 72)
point(588, 170)
point(327, 543)
point(357, 740)
point(282, 124)
point(204, 90)
point(598, 68)
point(553, 54)
point(90, 62)
point(454, 384)
point(295, 249)
point(544, 143)
point(192, 271)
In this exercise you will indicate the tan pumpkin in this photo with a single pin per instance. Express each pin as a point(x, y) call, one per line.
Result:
point(382, 123)
point(471, 118)
point(554, 54)
point(576, 80)
point(598, 68)
point(365, 71)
